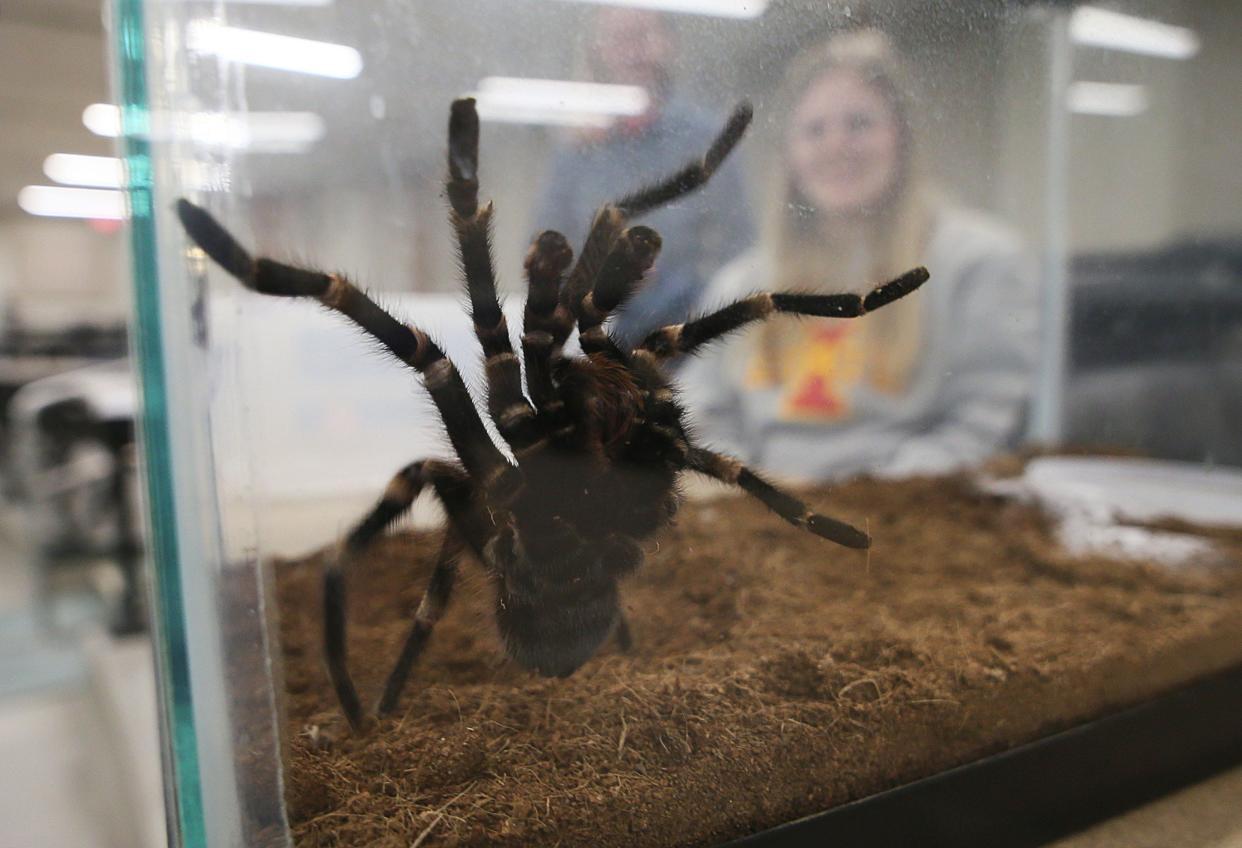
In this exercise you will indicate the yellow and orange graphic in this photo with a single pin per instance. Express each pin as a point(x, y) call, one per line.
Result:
point(817, 369)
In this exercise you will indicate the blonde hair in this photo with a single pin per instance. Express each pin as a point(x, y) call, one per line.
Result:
point(802, 250)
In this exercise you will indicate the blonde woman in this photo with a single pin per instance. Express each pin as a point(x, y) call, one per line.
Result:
point(934, 382)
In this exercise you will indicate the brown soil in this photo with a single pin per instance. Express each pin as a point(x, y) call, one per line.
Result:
point(773, 675)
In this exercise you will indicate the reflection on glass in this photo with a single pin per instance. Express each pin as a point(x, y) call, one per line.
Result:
point(1094, 27)
point(1107, 98)
point(557, 102)
point(63, 202)
point(92, 171)
point(257, 132)
point(722, 8)
point(271, 50)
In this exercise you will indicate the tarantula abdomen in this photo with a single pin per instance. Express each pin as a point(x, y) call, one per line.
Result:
point(555, 637)
point(555, 612)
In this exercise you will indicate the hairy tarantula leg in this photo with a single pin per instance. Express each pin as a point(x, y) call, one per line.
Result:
point(693, 175)
point(396, 500)
point(629, 260)
point(627, 263)
point(430, 608)
point(472, 225)
point(606, 228)
point(400, 494)
point(411, 345)
point(729, 470)
point(513, 414)
point(610, 220)
point(463, 157)
point(546, 324)
point(688, 337)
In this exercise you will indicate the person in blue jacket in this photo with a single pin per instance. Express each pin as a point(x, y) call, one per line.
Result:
point(701, 232)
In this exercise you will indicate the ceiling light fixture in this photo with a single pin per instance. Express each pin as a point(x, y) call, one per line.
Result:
point(61, 202)
point(280, 2)
point(1107, 98)
point(102, 119)
point(714, 8)
point(255, 132)
point(557, 102)
point(1094, 27)
point(269, 50)
point(78, 170)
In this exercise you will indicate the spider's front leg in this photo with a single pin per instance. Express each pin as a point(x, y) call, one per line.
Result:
point(610, 266)
point(729, 470)
point(454, 489)
point(546, 323)
point(434, 601)
point(508, 407)
point(482, 459)
point(610, 220)
point(677, 339)
point(587, 292)
point(631, 257)
point(695, 174)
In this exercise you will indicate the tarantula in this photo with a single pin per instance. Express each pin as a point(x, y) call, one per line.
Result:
point(599, 439)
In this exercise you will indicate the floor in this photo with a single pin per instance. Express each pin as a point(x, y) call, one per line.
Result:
point(43, 773)
point(1206, 815)
point(78, 725)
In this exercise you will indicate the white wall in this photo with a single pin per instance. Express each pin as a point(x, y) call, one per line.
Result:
point(56, 273)
point(1209, 123)
point(1170, 173)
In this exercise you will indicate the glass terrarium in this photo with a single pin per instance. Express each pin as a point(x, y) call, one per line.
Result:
point(922, 558)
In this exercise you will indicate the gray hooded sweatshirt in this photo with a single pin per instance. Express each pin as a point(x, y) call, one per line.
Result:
point(967, 398)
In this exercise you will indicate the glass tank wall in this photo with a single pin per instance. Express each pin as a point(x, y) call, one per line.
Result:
point(1068, 175)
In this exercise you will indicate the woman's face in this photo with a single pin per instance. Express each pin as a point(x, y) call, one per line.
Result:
point(843, 144)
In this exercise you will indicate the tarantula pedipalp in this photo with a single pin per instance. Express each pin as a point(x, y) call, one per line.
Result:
point(599, 439)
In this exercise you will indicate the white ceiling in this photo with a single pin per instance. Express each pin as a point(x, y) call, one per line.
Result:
point(51, 66)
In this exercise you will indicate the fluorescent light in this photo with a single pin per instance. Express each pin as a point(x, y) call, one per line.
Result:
point(102, 119)
point(715, 8)
point(269, 50)
point(543, 117)
point(261, 2)
point(61, 202)
point(1095, 27)
point(1107, 98)
point(558, 102)
point(74, 169)
point(275, 2)
point(257, 132)
point(261, 132)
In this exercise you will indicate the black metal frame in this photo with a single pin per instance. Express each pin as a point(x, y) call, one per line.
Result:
point(1047, 789)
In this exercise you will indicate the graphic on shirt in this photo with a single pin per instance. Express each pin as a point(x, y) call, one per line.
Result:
point(817, 369)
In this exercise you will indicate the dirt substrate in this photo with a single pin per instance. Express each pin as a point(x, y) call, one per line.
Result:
point(773, 675)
